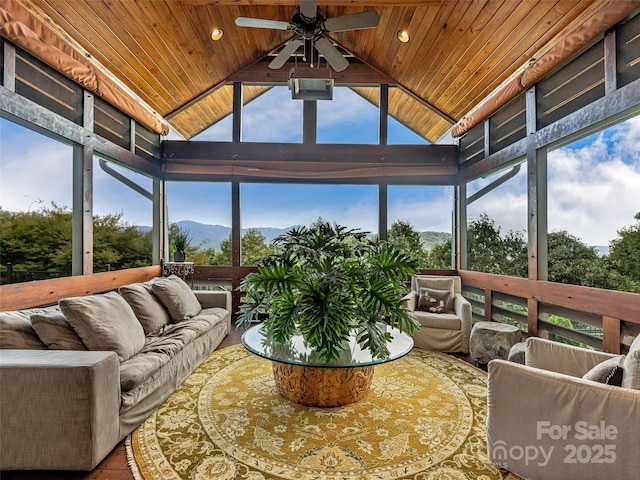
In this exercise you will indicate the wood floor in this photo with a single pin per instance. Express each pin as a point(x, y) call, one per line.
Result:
point(115, 466)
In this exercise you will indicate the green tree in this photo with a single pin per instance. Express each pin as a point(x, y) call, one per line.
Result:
point(254, 248)
point(37, 240)
point(571, 261)
point(41, 240)
point(118, 244)
point(440, 256)
point(490, 252)
point(408, 240)
point(625, 255)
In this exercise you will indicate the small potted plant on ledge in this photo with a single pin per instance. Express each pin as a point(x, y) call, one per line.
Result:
point(181, 241)
point(327, 283)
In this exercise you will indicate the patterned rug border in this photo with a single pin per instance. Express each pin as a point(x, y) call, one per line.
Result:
point(141, 472)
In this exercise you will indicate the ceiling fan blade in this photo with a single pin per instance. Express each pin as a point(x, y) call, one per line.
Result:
point(285, 53)
point(262, 23)
point(331, 54)
point(355, 21)
point(309, 9)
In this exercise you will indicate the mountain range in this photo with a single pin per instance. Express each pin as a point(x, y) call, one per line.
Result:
point(208, 236)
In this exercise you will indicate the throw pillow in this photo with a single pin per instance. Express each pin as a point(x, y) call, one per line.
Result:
point(177, 297)
point(105, 323)
point(631, 366)
point(150, 312)
point(436, 283)
point(17, 332)
point(55, 332)
point(434, 301)
point(608, 372)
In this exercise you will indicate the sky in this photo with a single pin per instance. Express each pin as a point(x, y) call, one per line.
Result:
point(594, 183)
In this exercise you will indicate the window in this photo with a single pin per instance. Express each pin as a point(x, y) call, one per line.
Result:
point(593, 186)
point(348, 118)
point(122, 217)
point(428, 211)
point(497, 223)
point(271, 116)
point(35, 206)
point(203, 210)
point(272, 209)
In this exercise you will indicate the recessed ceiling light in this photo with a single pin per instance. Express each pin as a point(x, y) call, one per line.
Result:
point(403, 36)
point(216, 34)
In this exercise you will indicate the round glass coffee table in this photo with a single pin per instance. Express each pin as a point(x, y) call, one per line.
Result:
point(303, 378)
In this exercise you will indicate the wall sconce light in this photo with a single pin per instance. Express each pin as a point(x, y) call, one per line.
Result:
point(403, 36)
point(216, 34)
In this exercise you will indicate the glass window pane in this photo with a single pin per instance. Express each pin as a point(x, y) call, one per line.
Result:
point(203, 210)
point(593, 200)
point(497, 224)
point(35, 204)
point(123, 218)
point(348, 118)
point(218, 132)
point(398, 134)
point(422, 213)
point(272, 117)
point(272, 209)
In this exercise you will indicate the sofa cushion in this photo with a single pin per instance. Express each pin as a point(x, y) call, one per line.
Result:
point(177, 297)
point(150, 312)
point(161, 346)
point(55, 332)
point(17, 332)
point(608, 372)
point(631, 366)
point(434, 301)
point(105, 322)
point(447, 321)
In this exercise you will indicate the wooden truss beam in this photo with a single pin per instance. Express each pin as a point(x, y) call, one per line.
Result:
point(405, 164)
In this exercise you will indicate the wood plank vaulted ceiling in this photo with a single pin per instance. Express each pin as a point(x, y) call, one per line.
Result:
point(459, 51)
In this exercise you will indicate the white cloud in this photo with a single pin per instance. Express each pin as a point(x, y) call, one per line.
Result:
point(506, 205)
point(34, 173)
point(593, 191)
point(433, 214)
point(273, 117)
point(346, 107)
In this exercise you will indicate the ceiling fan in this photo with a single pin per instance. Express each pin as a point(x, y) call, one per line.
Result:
point(311, 28)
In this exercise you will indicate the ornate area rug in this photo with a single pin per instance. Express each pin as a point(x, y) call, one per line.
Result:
point(423, 419)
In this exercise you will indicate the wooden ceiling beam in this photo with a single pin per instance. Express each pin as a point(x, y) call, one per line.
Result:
point(321, 3)
point(174, 150)
point(355, 74)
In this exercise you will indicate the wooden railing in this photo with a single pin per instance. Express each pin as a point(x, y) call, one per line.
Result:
point(47, 292)
point(616, 313)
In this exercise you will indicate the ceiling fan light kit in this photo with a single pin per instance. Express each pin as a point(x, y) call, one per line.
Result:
point(311, 27)
point(311, 86)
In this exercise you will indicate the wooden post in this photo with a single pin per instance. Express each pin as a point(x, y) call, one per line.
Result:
point(532, 317)
point(611, 335)
point(488, 300)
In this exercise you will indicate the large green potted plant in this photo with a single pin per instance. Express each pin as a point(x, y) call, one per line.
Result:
point(327, 283)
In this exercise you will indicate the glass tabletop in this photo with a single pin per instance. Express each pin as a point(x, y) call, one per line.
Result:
point(298, 352)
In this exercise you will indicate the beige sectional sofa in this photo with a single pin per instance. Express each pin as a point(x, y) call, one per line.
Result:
point(78, 377)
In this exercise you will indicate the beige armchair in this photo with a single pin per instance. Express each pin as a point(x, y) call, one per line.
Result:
point(545, 421)
point(449, 330)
